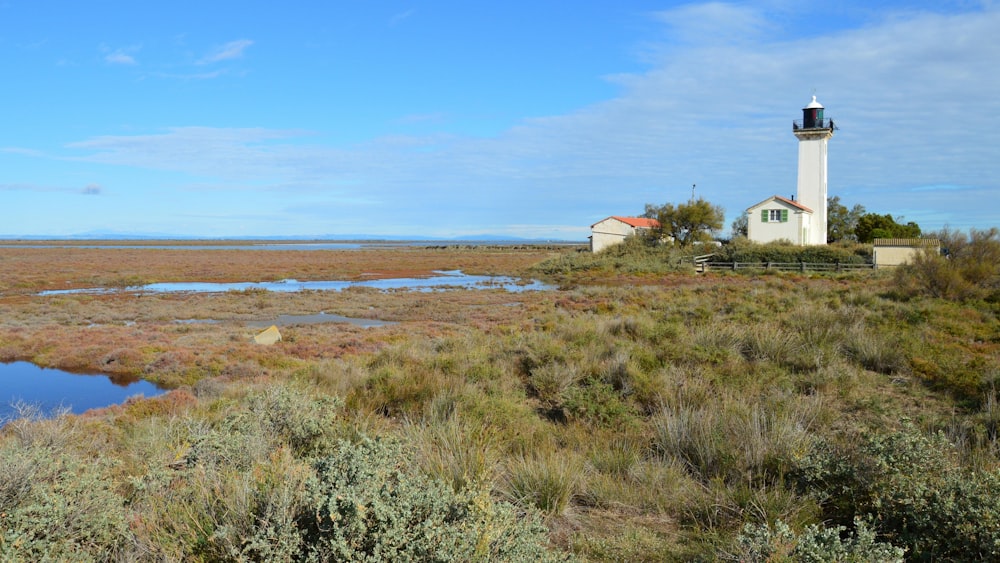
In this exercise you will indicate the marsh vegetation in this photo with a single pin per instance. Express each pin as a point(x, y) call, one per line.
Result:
point(639, 412)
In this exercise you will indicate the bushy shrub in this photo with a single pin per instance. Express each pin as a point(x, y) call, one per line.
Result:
point(364, 504)
point(636, 255)
point(57, 507)
point(816, 544)
point(743, 250)
point(914, 491)
point(268, 483)
point(281, 415)
point(968, 267)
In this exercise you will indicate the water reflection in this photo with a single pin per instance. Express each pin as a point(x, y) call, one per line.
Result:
point(52, 389)
point(444, 280)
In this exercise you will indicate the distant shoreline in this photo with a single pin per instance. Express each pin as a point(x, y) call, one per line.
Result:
point(272, 243)
point(112, 242)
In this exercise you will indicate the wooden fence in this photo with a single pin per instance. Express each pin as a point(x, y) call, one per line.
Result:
point(704, 265)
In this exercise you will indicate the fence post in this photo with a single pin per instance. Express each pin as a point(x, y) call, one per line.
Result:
point(838, 265)
point(734, 265)
point(802, 267)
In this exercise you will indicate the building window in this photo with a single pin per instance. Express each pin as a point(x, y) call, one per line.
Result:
point(774, 215)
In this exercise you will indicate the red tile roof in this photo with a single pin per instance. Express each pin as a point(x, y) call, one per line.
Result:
point(638, 222)
point(791, 202)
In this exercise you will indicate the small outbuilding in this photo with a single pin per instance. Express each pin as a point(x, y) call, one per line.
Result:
point(899, 251)
point(614, 230)
point(778, 218)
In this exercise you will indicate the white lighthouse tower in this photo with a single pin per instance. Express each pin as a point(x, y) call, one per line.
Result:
point(813, 133)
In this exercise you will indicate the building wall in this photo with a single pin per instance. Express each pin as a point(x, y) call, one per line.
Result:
point(794, 229)
point(607, 233)
point(889, 252)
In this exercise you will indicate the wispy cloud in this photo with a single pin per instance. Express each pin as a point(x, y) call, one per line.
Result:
point(190, 76)
point(22, 151)
point(714, 22)
point(120, 56)
point(940, 188)
point(231, 50)
point(38, 188)
point(399, 17)
point(435, 117)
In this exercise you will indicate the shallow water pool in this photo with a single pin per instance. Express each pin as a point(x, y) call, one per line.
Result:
point(53, 389)
point(442, 281)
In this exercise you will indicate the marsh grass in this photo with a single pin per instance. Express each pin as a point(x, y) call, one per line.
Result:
point(456, 452)
point(876, 351)
point(546, 481)
point(733, 439)
point(618, 456)
point(649, 416)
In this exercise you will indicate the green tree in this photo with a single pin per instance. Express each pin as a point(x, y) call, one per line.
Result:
point(740, 226)
point(842, 222)
point(872, 226)
point(686, 223)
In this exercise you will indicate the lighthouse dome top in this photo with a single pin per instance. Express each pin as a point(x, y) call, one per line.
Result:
point(814, 104)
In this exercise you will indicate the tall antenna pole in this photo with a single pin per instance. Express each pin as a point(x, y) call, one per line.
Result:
point(692, 191)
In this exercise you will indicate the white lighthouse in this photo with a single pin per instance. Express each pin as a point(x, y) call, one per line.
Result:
point(813, 132)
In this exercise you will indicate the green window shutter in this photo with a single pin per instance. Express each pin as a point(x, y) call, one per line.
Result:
point(784, 215)
point(763, 215)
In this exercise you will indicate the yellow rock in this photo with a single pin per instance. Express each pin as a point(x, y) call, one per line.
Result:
point(268, 337)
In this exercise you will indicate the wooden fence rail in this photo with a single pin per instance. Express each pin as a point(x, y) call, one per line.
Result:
point(704, 265)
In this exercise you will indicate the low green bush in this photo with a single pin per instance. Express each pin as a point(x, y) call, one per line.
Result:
point(913, 489)
point(816, 544)
point(743, 250)
point(55, 506)
point(364, 503)
point(635, 255)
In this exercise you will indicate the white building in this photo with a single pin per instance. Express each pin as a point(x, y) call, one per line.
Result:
point(813, 132)
point(777, 218)
point(614, 229)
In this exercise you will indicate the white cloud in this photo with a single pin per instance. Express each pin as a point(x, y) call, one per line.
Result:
point(231, 50)
point(714, 22)
point(119, 58)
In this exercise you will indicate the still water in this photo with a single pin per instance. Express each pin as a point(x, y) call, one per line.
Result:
point(52, 389)
point(443, 280)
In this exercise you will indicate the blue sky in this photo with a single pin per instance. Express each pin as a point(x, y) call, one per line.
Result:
point(450, 119)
